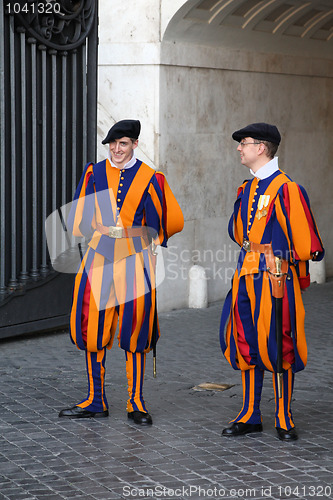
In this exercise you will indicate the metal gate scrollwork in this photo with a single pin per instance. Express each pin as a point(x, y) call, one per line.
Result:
point(48, 102)
point(59, 24)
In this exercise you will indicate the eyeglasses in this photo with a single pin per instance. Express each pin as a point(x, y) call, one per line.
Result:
point(246, 143)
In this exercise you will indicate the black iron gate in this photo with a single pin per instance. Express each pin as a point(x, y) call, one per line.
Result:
point(48, 102)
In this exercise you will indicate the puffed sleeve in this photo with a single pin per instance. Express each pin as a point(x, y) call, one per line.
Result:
point(173, 219)
point(163, 212)
point(82, 214)
point(235, 226)
point(297, 222)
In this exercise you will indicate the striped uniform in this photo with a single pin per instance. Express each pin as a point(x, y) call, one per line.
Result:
point(116, 279)
point(247, 331)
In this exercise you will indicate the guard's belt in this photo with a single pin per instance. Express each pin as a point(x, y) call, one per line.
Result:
point(277, 268)
point(250, 246)
point(122, 232)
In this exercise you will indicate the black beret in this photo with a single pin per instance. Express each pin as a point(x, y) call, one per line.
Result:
point(124, 128)
point(259, 131)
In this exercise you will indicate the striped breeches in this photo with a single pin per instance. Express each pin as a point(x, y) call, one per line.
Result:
point(252, 381)
point(135, 370)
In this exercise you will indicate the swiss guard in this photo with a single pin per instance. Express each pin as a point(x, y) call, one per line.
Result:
point(125, 209)
point(262, 322)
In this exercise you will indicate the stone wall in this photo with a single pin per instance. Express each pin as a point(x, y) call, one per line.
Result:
point(190, 98)
point(201, 107)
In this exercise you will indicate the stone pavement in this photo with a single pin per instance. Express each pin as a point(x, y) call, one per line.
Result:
point(183, 455)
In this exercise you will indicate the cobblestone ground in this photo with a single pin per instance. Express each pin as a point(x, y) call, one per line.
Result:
point(183, 455)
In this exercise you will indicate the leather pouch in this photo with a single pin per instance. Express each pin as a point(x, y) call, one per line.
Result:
point(277, 277)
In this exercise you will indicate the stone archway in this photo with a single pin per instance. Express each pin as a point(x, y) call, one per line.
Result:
point(196, 70)
point(302, 27)
point(226, 63)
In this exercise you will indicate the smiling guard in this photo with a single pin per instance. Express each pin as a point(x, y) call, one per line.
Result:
point(124, 208)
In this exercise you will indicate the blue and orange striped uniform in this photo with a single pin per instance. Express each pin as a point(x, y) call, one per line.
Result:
point(247, 330)
point(115, 284)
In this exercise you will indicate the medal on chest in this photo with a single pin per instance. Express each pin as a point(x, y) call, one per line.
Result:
point(262, 206)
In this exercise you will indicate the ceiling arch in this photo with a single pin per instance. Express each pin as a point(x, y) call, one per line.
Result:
point(281, 26)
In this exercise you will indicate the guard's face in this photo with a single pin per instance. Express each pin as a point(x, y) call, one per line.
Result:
point(249, 151)
point(121, 150)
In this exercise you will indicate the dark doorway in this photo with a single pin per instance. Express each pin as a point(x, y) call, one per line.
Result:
point(48, 102)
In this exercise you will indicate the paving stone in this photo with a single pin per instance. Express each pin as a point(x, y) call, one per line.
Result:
point(45, 457)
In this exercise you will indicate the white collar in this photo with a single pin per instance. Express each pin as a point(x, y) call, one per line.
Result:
point(267, 170)
point(127, 165)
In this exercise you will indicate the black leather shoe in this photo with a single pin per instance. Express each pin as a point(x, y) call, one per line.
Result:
point(78, 412)
point(239, 428)
point(287, 435)
point(140, 417)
